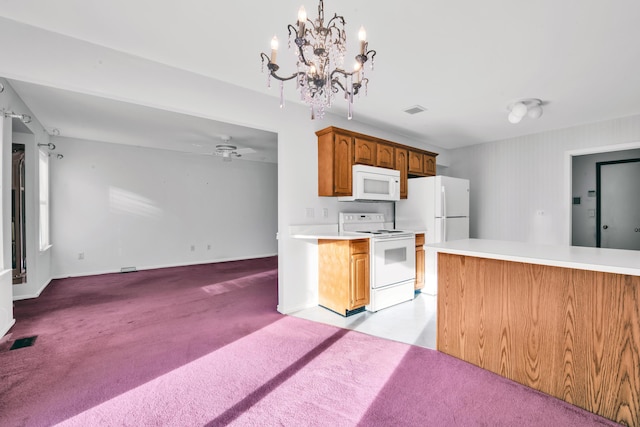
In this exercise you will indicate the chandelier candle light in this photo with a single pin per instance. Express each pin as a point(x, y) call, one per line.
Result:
point(320, 54)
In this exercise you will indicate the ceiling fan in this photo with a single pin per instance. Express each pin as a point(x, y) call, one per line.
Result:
point(228, 151)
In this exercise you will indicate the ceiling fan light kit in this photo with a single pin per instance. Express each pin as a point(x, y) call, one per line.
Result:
point(228, 151)
point(320, 50)
point(529, 107)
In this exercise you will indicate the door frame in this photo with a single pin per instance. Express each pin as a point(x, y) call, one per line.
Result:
point(568, 184)
point(598, 194)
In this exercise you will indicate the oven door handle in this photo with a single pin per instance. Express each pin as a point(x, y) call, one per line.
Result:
point(392, 239)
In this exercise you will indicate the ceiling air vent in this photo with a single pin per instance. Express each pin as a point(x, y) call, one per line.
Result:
point(415, 109)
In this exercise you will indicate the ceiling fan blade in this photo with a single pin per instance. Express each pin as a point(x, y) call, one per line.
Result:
point(245, 150)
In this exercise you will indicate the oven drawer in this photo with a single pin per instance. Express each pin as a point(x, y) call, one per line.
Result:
point(391, 295)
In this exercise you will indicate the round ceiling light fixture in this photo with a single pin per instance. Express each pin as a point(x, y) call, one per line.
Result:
point(529, 107)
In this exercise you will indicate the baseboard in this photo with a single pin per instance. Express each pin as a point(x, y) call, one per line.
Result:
point(35, 295)
point(6, 329)
point(155, 267)
point(289, 310)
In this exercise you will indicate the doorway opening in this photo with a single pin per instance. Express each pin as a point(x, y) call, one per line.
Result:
point(582, 192)
point(18, 215)
point(618, 204)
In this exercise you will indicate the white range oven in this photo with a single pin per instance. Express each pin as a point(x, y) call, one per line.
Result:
point(392, 258)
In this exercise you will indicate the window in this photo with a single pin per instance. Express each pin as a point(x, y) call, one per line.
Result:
point(43, 171)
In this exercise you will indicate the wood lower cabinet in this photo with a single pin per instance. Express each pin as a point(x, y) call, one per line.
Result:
point(343, 275)
point(419, 261)
point(401, 165)
point(573, 334)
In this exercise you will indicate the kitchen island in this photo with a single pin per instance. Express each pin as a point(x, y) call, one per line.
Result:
point(562, 320)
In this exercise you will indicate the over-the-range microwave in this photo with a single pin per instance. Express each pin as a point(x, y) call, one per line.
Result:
point(372, 183)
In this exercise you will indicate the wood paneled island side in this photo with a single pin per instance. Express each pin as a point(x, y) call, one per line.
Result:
point(561, 320)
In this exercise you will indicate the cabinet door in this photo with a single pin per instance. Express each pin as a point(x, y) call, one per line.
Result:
point(365, 152)
point(419, 269)
point(359, 283)
point(416, 163)
point(342, 160)
point(429, 165)
point(402, 166)
point(385, 157)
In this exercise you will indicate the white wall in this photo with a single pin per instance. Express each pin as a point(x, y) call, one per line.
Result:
point(6, 295)
point(519, 186)
point(38, 262)
point(80, 66)
point(583, 222)
point(124, 206)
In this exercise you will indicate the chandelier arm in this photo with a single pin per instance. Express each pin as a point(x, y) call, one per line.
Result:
point(356, 87)
point(331, 34)
point(274, 67)
point(340, 71)
point(293, 29)
point(284, 79)
point(331, 24)
point(337, 82)
point(302, 57)
point(313, 24)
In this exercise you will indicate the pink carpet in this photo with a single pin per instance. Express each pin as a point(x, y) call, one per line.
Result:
point(203, 345)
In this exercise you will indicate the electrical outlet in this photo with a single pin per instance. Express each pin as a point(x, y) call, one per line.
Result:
point(325, 213)
point(208, 247)
point(310, 213)
point(193, 248)
point(81, 256)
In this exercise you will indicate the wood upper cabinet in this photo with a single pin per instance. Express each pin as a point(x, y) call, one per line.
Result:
point(385, 158)
point(340, 149)
point(421, 164)
point(365, 152)
point(401, 155)
point(429, 165)
point(343, 274)
point(335, 161)
point(416, 163)
point(419, 261)
point(372, 153)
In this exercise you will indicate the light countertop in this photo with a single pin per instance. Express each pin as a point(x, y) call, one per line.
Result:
point(583, 258)
point(326, 231)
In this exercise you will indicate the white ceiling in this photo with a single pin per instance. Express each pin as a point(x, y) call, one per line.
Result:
point(82, 116)
point(463, 60)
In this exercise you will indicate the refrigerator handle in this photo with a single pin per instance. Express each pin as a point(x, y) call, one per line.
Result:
point(444, 214)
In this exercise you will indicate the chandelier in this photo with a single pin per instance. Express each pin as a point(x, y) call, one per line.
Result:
point(320, 51)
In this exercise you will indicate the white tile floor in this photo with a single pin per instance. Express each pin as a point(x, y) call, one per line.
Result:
point(411, 322)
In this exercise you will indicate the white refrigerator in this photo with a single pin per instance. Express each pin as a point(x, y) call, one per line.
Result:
point(439, 207)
